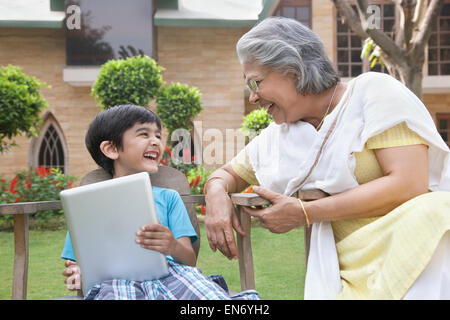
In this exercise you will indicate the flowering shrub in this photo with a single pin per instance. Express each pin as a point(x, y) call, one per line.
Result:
point(40, 184)
point(197, 178)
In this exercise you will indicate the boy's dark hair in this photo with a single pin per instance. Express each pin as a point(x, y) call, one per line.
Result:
point(110, 124)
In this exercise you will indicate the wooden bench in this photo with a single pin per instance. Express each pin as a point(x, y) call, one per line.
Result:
point(166, 177)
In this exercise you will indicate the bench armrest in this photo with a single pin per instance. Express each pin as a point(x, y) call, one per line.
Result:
point(246, 269)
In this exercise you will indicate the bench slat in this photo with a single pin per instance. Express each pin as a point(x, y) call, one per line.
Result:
point(29, 207)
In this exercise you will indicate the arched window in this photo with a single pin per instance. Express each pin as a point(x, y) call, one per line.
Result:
point(49, 149)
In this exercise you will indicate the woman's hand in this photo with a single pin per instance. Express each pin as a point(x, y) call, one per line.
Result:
point(72, 273)
point(283, 215)
point(220, 221)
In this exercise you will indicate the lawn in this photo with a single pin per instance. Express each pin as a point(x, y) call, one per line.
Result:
point(278, 259)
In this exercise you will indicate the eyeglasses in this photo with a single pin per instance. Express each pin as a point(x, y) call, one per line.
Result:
point(252, 86)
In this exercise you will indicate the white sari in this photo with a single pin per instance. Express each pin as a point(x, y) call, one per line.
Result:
point(287, 158)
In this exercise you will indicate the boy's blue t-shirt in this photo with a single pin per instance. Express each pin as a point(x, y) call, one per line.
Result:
point(171, 213)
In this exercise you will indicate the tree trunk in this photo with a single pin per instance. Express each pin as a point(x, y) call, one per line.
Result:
point(412, 78)
point(404, 57)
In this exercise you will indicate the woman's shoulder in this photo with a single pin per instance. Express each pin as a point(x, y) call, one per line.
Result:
point(372, 75)
point(376, 80)
point(377, 86)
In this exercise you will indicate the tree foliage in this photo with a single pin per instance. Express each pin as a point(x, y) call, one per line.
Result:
point(20, 105)
point(134, 80)
point(177, 105)
point(255, 122)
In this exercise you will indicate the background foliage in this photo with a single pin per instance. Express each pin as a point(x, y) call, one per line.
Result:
point(255, 122)
point(35, 185)
point(21, 104)
point(177, 105)
point(134, 80)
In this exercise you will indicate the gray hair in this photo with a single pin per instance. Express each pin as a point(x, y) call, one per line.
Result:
point(287, 45)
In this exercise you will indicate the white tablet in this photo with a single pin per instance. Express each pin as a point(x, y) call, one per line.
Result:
point(102, 219)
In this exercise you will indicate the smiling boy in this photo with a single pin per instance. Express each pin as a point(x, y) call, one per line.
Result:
point(126, 140)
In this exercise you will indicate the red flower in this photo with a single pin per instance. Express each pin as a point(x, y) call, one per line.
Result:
point(197, 180)
point(202, 209)
point(14, 180)
point(12, 185)
point(70, 184)
point(191, 183)
point(164, 163)
point(18, 199)
point(168, 151)
point(28, 184)
point(42, 172)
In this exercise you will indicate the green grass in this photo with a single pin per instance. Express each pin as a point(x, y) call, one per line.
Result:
point(45, 280)
point(278, 259)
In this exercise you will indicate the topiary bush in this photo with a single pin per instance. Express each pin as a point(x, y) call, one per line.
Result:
point(178, 105)
point(134, 80)
point(20, 105)
point(255, 122)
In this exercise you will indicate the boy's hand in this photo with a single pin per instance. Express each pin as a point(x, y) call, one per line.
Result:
point(73, 274)
point(156, 237)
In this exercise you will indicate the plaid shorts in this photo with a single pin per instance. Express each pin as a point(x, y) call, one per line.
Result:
point(182, 283)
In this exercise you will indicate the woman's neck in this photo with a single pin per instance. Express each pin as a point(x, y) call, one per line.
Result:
point(322, 104)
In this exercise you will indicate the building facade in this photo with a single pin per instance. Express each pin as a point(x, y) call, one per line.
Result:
point(196, 47)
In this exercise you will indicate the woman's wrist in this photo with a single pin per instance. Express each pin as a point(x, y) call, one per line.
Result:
point(215, 185)
point(305, 213)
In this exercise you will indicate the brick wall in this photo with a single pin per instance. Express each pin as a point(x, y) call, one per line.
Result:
point(324, 24)
point(437, 103)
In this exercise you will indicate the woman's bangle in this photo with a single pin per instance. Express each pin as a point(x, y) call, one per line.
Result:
point(304, 211)
point(212, 178)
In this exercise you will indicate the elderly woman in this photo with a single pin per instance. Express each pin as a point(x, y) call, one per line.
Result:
point(370, 144)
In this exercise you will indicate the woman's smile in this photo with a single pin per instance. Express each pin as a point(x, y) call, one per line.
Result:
point(269, 107)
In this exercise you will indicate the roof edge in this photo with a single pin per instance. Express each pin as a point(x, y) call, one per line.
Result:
point(204, 22)
point(55, 24)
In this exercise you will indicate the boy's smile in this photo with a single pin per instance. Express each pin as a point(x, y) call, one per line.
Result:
point(141, 150)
